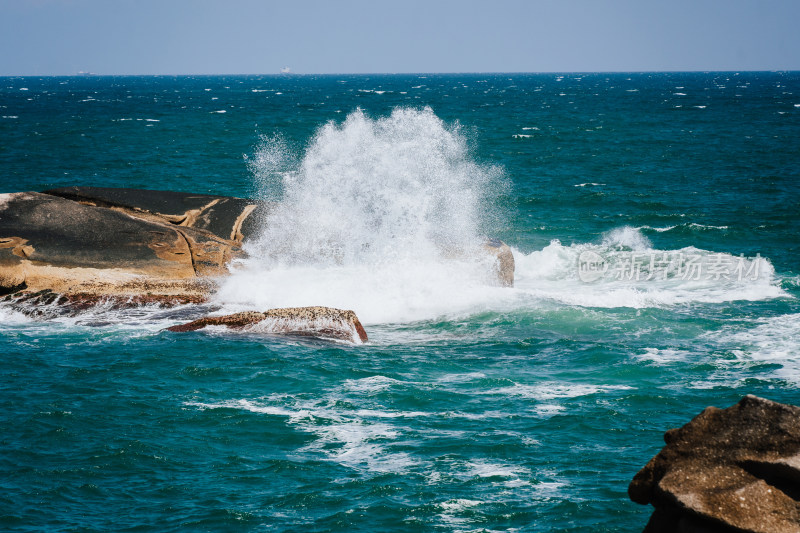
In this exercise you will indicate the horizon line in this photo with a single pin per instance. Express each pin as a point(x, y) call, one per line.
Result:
point(82, 74)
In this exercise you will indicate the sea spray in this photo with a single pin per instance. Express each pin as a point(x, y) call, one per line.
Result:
point(372, 190)
point(385, 216)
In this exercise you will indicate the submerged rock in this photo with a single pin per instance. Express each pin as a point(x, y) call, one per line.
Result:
point(323, 322)
point(734, 469)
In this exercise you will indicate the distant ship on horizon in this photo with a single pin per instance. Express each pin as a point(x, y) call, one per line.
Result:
point(286, 70)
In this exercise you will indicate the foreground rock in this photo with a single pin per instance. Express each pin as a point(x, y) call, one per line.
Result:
point(734, 469)
point(226, 217)
point(323, 322)
point(85, 244)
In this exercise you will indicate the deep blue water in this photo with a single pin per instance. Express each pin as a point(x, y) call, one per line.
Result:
point(472, 407)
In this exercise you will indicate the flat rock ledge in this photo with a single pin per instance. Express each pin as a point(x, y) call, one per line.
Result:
point(321, 322)
point(82, 245)
point(727, 470)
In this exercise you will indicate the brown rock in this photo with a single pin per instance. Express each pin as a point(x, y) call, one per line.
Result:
point(69, 248)
point(324, 322)
point(734, 469)
point(226, 217)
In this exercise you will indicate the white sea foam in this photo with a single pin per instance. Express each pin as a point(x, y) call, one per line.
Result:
point(555, 390)
point(627, 238)
point(10, 317)
point(771, 340)
point(637, 275)
point(705, 226)
point(219, 111)
point(371, 384)
point(662, 356)
point(486, 469)
point(461, 378)
point(454, 506)
point(342, 436)
point(660, 230)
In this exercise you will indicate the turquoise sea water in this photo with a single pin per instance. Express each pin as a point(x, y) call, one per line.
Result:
point(473, 407)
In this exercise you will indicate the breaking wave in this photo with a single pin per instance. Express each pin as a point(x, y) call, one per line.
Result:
point(386, 216)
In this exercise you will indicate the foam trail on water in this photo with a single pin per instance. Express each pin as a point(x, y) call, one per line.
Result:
point(636, 275)
point(385, 216)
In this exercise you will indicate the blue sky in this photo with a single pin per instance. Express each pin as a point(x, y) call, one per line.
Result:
point(62, 37)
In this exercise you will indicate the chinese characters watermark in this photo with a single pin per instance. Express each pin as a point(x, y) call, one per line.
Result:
point(662, 266)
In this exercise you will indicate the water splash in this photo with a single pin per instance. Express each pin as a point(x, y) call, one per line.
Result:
point(373, 190)
point(385, 216)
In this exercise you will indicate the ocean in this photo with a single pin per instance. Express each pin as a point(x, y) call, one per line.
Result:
point(653, 219)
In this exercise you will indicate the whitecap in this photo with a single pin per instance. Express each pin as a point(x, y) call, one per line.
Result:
point(453, 506)
point(706, 226)
point(626, 237)
point(552, 390)
point(774, 340)
point(662, 356)
point(371, 384)
point(486, 469)
point(461, 378)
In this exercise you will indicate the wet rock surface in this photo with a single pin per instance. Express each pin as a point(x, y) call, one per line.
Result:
point(734, 469)
point(323, 322)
